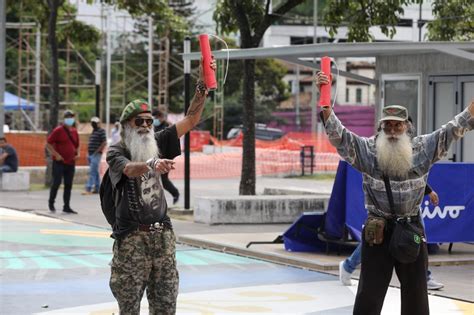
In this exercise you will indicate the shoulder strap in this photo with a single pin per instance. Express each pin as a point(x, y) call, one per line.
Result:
point(69, 136)
point(386, 180)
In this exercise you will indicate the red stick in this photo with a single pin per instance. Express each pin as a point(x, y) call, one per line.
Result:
point(325, 89)
point(209, 74)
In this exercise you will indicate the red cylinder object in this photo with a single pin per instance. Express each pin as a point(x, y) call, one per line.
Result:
point(325, 89)
point(209, 74)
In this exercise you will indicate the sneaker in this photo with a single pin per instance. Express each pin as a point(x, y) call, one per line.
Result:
point(344, 276)
point(433, 285)
point(84, 193)
point(69, 210)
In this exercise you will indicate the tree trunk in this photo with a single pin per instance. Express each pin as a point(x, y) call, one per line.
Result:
point(53, 6)
point(247, 179)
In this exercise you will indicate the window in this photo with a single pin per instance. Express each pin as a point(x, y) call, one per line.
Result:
point(403, 89)
point(347, 95)
point(358, 95)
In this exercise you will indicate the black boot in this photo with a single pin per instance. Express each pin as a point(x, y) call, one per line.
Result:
point(51, 206)
point(69, 210)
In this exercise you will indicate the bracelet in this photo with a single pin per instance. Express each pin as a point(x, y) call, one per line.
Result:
point(201, 87)
point(151, 163)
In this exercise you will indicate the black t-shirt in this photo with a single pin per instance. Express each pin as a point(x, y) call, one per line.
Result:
point(140, 200)
point(12, 158)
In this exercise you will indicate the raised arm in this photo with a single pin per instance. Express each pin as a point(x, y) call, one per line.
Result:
point(438, 142)
point(194, 112)
point(351, 147)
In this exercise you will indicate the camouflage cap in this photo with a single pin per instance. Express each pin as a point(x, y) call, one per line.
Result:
point(134, 108)
point(394, 112)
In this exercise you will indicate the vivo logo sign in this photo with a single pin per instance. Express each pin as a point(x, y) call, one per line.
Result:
point(452, 211)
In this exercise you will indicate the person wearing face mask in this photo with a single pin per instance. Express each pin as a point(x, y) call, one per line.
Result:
point(96, 145)
point(159, 124)
point(63, 145)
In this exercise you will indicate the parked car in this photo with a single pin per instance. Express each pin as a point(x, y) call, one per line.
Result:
point(262, 132)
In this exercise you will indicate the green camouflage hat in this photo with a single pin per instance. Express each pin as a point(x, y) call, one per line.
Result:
point(134, 108)
point(394, 112)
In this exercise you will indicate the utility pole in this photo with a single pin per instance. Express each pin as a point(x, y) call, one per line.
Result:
point(150, 61)
point(2, 63)
point(109, 63)
point(313, 87)
point(97, 86)
point(37, 75)
point(297, 98)
point(187, 147)
point(420, 22)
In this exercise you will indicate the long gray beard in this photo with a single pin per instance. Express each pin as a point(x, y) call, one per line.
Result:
point(141, 146)
point(395, 158)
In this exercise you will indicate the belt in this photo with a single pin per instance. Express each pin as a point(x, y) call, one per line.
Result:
point(154, 227)
point(410, 219)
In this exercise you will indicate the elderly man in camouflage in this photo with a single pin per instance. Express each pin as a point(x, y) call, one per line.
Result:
point(144, 247)
point(406, 162)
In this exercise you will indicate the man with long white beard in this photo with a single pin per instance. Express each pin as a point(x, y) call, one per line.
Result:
point(404, 163)
point(144, 247)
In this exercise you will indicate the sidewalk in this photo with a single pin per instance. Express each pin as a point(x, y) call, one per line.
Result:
point(455, 270)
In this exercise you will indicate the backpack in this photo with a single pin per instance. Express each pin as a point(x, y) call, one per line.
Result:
point(107, 193)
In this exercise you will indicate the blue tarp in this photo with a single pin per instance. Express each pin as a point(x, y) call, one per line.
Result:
point(13, 102)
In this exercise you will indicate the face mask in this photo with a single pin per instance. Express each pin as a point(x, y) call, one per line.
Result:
point(69, 121)
point(156, 122)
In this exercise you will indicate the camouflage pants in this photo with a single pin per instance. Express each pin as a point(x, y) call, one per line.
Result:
point(145, 260)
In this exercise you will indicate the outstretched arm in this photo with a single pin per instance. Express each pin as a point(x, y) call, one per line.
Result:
point(197, 105)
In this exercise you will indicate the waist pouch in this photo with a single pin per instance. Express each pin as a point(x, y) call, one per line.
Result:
point(374, 230)
point(406, 241)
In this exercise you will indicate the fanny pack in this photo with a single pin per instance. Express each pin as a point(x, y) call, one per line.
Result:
point(407, 236)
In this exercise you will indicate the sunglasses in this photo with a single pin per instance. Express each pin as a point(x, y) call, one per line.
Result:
point(139, 121)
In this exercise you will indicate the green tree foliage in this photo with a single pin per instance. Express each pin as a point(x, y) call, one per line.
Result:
point(360, 15)
point(454, 21)
point(251, 18)
point(82, 36)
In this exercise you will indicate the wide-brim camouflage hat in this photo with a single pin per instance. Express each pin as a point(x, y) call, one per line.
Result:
point(134, 108)
point(394, 112)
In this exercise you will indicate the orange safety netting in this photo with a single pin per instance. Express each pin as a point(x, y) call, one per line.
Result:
point(290, 141)
point(30, 147)
point(268, 162)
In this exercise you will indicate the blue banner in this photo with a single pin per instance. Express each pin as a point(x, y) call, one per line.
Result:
point(449, 222)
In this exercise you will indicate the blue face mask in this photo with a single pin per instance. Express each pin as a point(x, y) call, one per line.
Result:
point(69, 121)
point(156, 122)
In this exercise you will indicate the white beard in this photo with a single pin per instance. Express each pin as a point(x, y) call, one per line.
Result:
point(395, 158)
point(142, 146)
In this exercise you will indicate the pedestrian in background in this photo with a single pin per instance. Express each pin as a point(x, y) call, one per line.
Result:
point(8, 157)
point(115, 134)
point(97, 143)
point(159, 124)
point(63, 145)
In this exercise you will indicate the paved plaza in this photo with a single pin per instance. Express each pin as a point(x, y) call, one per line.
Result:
point(58, 264)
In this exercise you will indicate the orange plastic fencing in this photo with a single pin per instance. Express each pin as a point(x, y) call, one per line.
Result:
point(279, 157)
point(290, 141)
point(30, 147)
point(268, 162)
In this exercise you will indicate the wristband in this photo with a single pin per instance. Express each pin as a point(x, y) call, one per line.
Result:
point(151, 163)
